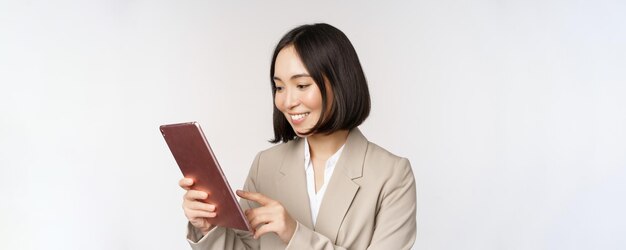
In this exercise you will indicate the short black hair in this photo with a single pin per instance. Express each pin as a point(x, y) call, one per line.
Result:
point(327, 54)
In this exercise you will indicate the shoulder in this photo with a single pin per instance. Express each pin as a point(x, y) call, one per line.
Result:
point(270, 159)
point(278, 151)
point(378, 156)
point(386, 174)
point(386, 168)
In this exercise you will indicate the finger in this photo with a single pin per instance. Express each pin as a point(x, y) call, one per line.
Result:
point(259, 220)
point(196, 195)
point(260, 216)
point(197, 205)
point(194, 214)
point(263, 230)
point(254, 212)
point(185, 183)
point(253, 196)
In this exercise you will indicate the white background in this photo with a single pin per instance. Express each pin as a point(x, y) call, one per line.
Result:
point(512, 113)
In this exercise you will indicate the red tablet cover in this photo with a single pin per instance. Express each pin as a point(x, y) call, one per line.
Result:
point(197, 161)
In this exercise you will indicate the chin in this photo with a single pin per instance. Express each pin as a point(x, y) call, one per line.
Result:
point(301, 132)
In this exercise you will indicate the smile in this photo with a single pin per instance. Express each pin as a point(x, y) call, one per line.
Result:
point(297, 117)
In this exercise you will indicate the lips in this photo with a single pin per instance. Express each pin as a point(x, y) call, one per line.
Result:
point(299, 116)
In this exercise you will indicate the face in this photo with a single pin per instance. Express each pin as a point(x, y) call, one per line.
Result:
point(297, 95)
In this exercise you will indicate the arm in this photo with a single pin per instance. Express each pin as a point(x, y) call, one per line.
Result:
point(396, 227)
point(305, 238)
point(226, 238)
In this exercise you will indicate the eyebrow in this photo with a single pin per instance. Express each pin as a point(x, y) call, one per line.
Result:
point(293, 76)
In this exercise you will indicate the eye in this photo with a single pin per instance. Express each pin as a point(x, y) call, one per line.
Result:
point(278, 88)
point(303, 86)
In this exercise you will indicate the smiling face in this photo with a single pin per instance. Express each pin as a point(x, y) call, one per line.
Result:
point(297, 96)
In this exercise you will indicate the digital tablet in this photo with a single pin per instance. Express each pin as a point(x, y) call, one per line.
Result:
point(197, 161)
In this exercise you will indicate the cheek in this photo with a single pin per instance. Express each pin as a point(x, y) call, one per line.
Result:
point(313, 100)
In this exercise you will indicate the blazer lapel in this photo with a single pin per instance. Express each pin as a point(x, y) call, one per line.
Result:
point(291, 185)
point(341, 188)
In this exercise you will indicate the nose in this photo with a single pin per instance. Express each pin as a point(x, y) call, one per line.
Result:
point(292, 99)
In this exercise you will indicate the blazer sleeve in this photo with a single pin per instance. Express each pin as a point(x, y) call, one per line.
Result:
point(227, 238)
point(305, 238)
point(396, 226)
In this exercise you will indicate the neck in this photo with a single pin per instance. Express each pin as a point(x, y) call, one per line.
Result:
point(323, 145)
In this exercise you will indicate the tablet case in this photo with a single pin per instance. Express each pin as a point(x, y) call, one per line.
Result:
point(196, 160)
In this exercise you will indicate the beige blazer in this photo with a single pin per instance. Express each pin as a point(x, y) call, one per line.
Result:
point(370, 201)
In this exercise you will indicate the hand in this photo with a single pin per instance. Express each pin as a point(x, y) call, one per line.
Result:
point(272, 216)
point(197, 211)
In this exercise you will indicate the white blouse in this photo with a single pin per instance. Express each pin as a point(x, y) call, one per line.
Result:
point(315, 199)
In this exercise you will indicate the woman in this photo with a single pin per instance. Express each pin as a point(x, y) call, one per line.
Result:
point(325, 186)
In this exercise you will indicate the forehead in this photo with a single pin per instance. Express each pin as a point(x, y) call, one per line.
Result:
point(288, 63)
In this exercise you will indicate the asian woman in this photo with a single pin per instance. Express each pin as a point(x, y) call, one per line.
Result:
point(324, 186)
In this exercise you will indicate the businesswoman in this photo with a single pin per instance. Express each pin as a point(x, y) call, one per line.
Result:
point(324, 186)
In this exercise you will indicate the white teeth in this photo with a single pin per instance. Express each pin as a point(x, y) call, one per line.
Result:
point(299, 116)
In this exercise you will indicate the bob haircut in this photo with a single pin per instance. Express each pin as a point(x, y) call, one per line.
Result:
point(328, 56)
